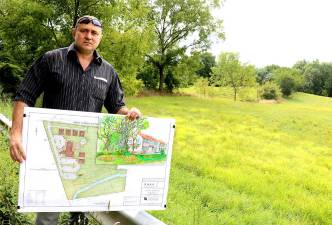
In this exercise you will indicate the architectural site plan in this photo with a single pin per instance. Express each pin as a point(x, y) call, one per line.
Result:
point(81, 161)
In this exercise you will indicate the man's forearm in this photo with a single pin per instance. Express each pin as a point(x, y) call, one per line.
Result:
point(17, 119)
point(16, 149)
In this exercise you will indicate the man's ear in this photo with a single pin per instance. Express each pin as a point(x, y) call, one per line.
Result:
point(73, 32)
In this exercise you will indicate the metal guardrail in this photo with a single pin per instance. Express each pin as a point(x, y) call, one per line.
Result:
point(132, 217)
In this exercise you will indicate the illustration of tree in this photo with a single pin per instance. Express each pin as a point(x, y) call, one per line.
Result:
point(134, 128)
point(117, 134)
point(108, 133)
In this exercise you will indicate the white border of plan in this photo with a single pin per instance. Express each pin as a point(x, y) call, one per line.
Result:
point(40, 185)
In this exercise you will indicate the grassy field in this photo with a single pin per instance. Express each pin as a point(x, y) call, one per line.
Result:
point(247, 163)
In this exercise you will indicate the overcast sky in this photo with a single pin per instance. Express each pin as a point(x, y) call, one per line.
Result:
point(278, 32)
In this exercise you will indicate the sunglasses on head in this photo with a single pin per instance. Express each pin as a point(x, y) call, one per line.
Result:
point(87, 20)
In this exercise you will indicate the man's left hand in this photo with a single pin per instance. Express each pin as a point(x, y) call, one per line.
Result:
point(134, 113)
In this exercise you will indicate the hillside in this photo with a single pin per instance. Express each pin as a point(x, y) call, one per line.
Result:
point(247, 163)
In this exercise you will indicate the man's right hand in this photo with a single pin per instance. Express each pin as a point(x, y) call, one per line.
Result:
point(17, 152)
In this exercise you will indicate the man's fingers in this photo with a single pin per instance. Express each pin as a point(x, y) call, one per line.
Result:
point(17, 153)
point(134, 113)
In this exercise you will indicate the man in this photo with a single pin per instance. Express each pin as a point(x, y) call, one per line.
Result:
point(72, 78)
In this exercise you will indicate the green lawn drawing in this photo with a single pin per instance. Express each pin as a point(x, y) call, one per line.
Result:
point(74, 150)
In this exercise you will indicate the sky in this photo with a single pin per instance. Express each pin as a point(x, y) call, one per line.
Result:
point(281, 32)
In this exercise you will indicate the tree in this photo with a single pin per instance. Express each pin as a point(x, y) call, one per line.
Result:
point(328, 85)
point(175, 21)
point(288, 79)
point(265, 74)
point(300, 66)
point(130, 37)
point(9, 78)
point(185, 70)
point(269, 90)
point(208, 61)
point(41, 25)
point(230, 72)
point(314, 78)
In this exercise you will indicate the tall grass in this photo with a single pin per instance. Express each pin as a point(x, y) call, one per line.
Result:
point(248, 163)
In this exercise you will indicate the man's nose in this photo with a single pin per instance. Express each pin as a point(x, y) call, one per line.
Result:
point(88, 35)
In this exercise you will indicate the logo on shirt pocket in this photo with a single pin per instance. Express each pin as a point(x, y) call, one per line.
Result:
point(100, 78)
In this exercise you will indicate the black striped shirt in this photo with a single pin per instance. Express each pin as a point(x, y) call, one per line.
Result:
point(59, 75)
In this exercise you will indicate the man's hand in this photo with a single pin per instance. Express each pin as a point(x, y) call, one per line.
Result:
point(133, 113)
point(16, 149)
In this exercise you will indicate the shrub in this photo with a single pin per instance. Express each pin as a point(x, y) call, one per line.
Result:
point(287, 86)
point(131, 86)
point(269, 90)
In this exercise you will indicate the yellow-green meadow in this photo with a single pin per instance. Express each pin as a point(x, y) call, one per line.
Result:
point(244, 162)
point(247, 163)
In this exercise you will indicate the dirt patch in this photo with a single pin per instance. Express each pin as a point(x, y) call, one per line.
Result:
point(268, 101)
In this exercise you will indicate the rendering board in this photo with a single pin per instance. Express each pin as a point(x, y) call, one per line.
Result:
point(81, 161)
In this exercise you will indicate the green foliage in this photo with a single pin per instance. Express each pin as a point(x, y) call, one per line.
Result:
point(270, 90)
point(39, 26)
point(328, 86)
point(115, 132)
point(317, 78)
point(300, 66)
point(171, 81)
point(131, 85)
point(287, 86)
point(176, 20)
point(149, 75)
point(10, 76)
point(265, 74)
point(185, 70)
point(289, 80)
point(201, 86)
point(9, 187)
point(248, 94)
point(26, 32)
point(127, 39)
point(208, 61)
point(230, 72)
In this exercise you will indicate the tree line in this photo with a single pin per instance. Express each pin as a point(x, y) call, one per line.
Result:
point(272, 80)
point(160, 45)
point(141, 38)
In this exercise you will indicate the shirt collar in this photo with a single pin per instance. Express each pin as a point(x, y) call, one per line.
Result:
point(96, 57)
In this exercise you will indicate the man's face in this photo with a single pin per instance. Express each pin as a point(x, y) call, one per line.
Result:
point(87, 37)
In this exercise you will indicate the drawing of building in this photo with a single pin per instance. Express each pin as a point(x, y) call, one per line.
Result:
point(75, 132)
point(146, 144)
point(68, 132)
point(68, 152)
